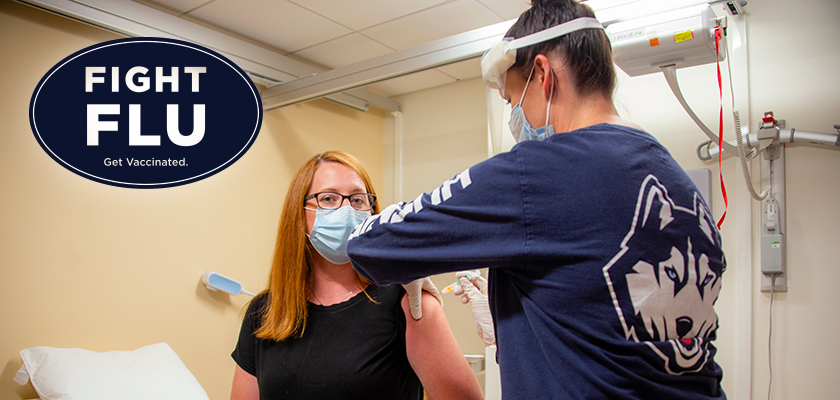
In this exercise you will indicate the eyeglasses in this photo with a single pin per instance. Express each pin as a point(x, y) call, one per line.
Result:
point(333, 200)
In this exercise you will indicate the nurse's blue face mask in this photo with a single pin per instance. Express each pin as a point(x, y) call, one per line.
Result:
point(519, 124)
point(331, 230)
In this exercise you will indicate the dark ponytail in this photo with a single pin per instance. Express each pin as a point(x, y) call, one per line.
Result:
point(587, 53)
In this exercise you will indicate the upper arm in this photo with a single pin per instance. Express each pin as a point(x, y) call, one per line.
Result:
point(245, 386)
point(434, 355)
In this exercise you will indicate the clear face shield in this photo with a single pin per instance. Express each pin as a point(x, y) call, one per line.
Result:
point(497, 61)
point(494, 65)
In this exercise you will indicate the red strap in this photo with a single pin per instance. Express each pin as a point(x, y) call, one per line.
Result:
point(718, 34)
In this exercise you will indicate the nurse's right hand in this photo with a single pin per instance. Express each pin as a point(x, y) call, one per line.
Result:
point(475, 292)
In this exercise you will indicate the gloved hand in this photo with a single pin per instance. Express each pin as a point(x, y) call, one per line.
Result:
point(415, 295)
point(475, 292)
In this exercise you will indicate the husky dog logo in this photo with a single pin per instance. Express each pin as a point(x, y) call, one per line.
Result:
point(666, 277)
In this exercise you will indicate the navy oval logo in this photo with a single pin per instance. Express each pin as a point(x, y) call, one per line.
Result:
point(145, 113)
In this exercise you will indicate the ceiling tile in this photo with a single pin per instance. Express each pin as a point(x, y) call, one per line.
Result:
point(463, 70)
point(360, 14)
point(506, 9)
point(343, 51)
point(412, 83)
point(432, 24)
point(174, 7)
point(277, 23)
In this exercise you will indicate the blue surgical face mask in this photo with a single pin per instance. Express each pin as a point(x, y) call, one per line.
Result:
point(331, 230)
point(519, 126)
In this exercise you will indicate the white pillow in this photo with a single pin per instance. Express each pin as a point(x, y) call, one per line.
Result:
point(150, 372)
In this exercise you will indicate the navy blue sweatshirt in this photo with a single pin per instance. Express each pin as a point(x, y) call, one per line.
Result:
point(605, 264)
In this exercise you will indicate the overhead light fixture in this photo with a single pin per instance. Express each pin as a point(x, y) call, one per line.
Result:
point(612, 11)
point(683, 38)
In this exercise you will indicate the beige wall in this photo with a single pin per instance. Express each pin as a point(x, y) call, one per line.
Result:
point(792, 68)
point(88, 265)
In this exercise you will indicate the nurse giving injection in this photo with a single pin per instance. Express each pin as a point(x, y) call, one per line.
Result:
point(603, 260)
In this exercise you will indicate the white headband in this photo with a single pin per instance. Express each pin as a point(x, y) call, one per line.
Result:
point(500, 57)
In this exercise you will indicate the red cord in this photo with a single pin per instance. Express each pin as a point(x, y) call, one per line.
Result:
point(720, 130)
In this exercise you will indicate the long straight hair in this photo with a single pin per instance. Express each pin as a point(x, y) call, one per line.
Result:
point(290, 281)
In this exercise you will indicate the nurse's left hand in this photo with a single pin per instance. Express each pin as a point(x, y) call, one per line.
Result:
point(415, 295)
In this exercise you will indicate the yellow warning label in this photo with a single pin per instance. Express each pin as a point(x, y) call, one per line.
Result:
point(654, 42)
point(683, 36)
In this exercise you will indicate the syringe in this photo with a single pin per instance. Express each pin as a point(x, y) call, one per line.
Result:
point(458, 282)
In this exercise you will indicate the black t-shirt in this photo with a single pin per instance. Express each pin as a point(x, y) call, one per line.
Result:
point(351, 350)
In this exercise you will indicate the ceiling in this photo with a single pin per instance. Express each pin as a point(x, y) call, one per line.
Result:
point(335, 33)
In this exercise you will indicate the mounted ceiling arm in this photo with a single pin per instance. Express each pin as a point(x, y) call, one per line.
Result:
point(422, 57)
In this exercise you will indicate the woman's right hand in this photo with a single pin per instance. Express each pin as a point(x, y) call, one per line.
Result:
point(474, 291)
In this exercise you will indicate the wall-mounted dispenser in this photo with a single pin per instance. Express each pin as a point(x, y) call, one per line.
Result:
point(218, 282)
